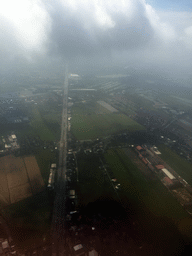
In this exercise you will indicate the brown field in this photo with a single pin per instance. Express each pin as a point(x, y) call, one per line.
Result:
point(20, 178)
point(34, 174)
point(4, 190)
point(16, 172)
point(20, 192)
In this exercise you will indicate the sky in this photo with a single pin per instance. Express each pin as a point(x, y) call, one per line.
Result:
point(179, 5)
point(153, 35)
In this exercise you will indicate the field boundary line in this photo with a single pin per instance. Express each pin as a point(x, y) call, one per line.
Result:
point(8, 188)
point(28, 176)
point(17, 186)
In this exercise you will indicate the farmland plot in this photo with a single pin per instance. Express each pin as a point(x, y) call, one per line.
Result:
point(20, 178)
point(34, 174)
point(4, 190)
point(86, 123)
point(16, 172)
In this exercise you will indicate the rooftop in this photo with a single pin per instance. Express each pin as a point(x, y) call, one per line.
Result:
point(139, 148)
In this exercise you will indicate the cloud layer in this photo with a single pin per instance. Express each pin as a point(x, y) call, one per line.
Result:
point(97, 30)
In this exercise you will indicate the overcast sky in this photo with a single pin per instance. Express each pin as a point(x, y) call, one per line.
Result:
point(154, 34)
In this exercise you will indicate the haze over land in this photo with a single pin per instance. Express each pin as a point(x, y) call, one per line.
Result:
point(96, 153)
point(144, 36)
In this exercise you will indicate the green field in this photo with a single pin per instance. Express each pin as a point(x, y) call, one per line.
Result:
point(160, 201)
point(44, 159)
point(92, 184)
point(39, 126)
point(159, 214)
point(51, 116)
point(180, 165)
point(29, 220)
point(162, 221)
point(46, 126)
point(90, 121)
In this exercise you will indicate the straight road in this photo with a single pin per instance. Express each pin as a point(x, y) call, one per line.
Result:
point(59, 210)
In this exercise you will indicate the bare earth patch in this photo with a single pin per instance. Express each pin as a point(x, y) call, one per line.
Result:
point(107, 106)
point(34, 174)
point(20, 178)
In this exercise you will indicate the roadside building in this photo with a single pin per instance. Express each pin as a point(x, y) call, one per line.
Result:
point(168, 174)
point(13, 136)
point(5, 246)
point(144, 161)
point(160, 167)
point(79, 250)
point(72, 194)
point(74, 76)
point(139, 148)
point(7, 146)
point(51, 179)
point(155, 150)
point(93, 253)
point(167, 181)
point(53, 166)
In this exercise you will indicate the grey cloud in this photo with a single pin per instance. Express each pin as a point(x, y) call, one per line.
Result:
point(132, 34)
point(73, 34)
point(126, 35)
point(8, 43)
point(68, 37)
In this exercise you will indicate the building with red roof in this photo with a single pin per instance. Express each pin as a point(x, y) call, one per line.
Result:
point(144, 161)
point(139, 148)
point(160, 166)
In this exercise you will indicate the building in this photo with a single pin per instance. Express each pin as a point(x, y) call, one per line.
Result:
point(93, 253)
point(139, 148)
point(155, 150)
point(74, 77)
point(53, 166)
point(72, 194)
point(51, 179)
point(5, 246)
point(144, 161)
point(160, 167)
point(13, 136)
point(167, 181)
point(80, 250)
point(168, 174)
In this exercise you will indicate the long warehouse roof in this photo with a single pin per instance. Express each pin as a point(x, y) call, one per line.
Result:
point(168, 173)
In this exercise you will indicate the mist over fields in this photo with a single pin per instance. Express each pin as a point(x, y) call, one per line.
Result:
point(96, 127)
